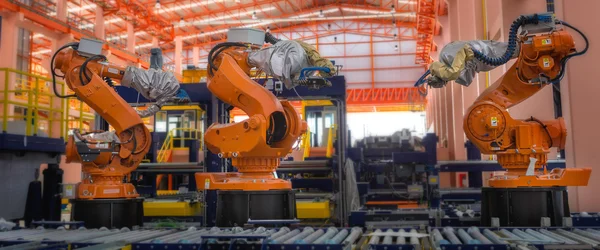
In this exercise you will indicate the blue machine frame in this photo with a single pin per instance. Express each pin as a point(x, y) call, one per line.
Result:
point(428, 158)
point(217, 111)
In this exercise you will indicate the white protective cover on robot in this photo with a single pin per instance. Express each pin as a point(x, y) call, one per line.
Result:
point(285, 59)
point(465, 67)
point(155, 85)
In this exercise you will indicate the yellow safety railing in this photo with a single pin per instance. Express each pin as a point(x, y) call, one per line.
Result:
point(27, 91)
point(165, 149)
point(194, 75)
point(330, 138)
point(169, 144)
point(306, 144)
point(30, 98)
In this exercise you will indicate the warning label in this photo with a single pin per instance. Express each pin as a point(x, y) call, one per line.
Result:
point(546, 41)
point(206, 183)
point(546, 62)
point(68, 190)
point(494, 122)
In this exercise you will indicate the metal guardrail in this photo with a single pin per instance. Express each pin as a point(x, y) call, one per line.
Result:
point(43, 110)
point(168, 145)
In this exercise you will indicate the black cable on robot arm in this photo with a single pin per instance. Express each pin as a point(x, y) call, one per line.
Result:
point(563, 62)
point(53, 72)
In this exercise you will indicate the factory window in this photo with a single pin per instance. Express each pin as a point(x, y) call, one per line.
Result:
point(315, 122)
point(23, 56)
point(160, 122)
point(174, 122)
point(189, 119)
point(329, 120)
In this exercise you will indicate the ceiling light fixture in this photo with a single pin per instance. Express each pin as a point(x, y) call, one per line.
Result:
point(393, 9)
point(186, 6)
point(396, 47)
point(181, 22)
point(230, 18)
point(81, 8)
point(143, 46)
point(321, 15)
point(268, 29)
point(254, 17)
point(257, 24)
point(376, 12)
point(157, 5)
point(125, 36)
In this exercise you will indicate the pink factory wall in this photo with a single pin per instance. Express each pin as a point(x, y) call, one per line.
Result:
point(579, 87)
point(580, 93)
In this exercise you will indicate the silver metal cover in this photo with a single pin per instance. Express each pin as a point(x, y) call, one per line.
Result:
point(88, 47)
point(246, 35)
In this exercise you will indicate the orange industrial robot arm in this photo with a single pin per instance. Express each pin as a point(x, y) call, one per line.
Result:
point(256, 144)
point(521, 146)
point(104, 163)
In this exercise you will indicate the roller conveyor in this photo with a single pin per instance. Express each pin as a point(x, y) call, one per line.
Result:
point(20, 233)
point(130, 237)
point(54, 235)
point(314, 238)
point(178, 237)
point(522, 238)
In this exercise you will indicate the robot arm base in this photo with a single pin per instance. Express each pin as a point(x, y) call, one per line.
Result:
point(239, 181)
point(556, 177)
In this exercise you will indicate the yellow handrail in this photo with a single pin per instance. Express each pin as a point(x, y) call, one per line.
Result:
point(306, 144)
point(168, 145)
point(34, 93)
point(330, 138)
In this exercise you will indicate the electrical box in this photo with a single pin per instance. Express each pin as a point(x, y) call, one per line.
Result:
point(246, 35)
point(434, 180)
point(415, 190)
point(269, 84)
point(278, 86)
point(88, 47)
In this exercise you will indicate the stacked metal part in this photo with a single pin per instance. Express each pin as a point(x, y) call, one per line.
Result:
point(522, 236)
point(309, 235)
point(395, 237)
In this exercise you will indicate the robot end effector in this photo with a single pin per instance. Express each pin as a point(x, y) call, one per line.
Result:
point(542, 50)
point(459, 61)
point(154, 84)
point(295, 63)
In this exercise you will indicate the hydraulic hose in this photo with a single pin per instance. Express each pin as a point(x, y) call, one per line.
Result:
point(422, 79)
point(53, 72)
point(512, 39)
point(269, 38)
point(563, 62)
